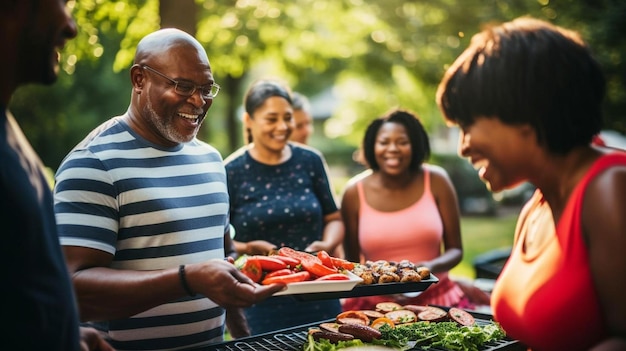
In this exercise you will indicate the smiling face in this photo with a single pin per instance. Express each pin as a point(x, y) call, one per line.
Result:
point(167, 117)
point(271, 124)
point(50, 26)
point(500, 152)
point(303, 126)
point(392, 148)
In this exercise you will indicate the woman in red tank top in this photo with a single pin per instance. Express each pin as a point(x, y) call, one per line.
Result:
point(527, 97)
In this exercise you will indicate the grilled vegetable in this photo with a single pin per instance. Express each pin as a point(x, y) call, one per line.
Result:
point(373, 314)
point(269, 263)
point(379, 322)
point(316, 268)
point(290, 261)
point(415, 308)
point(353, 317)
point(300, 255)
point(341, 263)
point(279, 272)
point(250, 266)
point(289, 278)
point(360, 331)
point(333, 276)
point(329, 326)
point(433, 314)
point(401, 316)
point(461, 316)
point(385, 307)
point(325, 258)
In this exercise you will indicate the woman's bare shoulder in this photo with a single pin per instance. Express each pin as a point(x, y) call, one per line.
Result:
point(359, 177)
point(350, 189)
point(436, 172)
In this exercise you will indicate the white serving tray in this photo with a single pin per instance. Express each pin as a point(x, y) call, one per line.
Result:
point(324, 286)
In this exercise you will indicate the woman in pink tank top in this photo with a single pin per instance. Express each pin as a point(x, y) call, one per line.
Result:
point(403, 209)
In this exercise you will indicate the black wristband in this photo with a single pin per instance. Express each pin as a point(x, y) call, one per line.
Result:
point(183, 280)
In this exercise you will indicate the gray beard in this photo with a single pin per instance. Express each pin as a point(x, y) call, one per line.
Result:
point(164, 125)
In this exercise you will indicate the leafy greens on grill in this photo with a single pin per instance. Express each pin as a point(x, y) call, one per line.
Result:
point(446, 335)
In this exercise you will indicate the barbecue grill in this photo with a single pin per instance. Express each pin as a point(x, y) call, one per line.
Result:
point(293, 339)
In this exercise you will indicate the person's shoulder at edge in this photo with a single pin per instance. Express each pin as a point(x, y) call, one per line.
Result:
point(296, 146)
point(208, 146)
point(436, 171)
point(358, 177)
point(97, 131)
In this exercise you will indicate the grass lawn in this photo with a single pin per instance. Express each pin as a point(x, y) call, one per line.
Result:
point(482, 234)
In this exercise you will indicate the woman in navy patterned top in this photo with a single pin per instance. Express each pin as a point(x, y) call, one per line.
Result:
point(280, 195)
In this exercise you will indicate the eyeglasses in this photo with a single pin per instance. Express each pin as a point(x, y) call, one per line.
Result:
point(188, 89)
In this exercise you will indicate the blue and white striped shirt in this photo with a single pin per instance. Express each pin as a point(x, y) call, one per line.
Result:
point(152, 208)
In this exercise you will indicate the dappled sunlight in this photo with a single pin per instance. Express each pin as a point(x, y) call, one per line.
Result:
point(374, 55)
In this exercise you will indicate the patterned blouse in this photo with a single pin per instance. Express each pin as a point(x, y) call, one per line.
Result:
point(284, 204)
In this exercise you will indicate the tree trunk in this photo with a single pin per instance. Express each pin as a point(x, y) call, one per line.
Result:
point(181, 14)
point(231, 87)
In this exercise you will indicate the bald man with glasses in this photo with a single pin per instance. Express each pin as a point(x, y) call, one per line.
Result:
point(142, 210)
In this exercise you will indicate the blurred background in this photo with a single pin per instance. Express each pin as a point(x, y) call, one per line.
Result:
point(354, 59)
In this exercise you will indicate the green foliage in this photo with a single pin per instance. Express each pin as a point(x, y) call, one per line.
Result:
point(57, 117)
point(376, 55)
point(483, 234)
point(101, 20)
point(362, 97)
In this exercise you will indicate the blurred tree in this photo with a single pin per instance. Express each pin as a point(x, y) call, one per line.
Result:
point(56, 117)
point(376, 54)
point(181, 14)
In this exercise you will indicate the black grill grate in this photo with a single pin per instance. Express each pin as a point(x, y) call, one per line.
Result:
point(275, 342)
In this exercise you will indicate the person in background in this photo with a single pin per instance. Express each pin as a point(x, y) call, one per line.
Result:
point(302, 117)
point(402, 208)
point(303, 129)
point(527, 97)
point(280, 196)
point(39, 306)
point(142, 209)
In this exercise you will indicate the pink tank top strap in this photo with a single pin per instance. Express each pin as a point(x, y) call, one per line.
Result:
point(359, 188)
point(426, 182)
